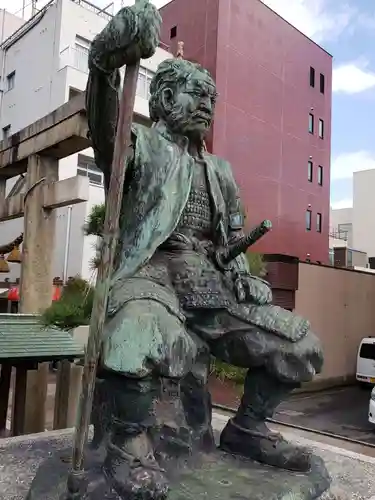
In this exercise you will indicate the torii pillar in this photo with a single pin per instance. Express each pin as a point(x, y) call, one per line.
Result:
point(36, 150)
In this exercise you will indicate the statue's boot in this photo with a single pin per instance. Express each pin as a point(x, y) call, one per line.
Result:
point(247, 433)
point(175, 434)
point(130, 465)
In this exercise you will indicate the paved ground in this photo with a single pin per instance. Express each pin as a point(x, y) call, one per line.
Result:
point(341, 411)
point(352, 474)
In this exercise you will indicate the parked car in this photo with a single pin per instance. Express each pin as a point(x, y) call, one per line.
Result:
point(371, 409)
point(366, 361)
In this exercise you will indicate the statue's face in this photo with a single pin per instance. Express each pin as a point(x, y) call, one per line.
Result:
point(192, 106)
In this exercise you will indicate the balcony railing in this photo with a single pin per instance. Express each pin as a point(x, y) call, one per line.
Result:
point(75, 57)
point(97, 10)
point(339, 235)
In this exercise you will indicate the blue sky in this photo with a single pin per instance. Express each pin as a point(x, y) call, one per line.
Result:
point(346, 29)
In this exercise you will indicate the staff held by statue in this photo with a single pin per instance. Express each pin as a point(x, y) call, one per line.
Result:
point(109, 243)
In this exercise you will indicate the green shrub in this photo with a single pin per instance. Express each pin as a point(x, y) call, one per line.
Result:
point(95, 221)
point(224, 371)
point(74, 307)
point(257, 264)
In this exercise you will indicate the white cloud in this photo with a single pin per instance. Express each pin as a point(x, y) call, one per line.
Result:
point(313, 18)
point(345, 164)
point(352, 78)
point(336, 205)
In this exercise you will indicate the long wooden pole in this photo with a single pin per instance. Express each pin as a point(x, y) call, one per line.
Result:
point(109, 245)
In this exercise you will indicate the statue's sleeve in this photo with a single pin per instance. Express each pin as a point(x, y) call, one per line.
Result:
point(107, 53)
point(235, 211)
point(102, 104)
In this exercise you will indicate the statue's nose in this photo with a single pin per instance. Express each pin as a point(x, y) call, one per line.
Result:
point(205, 105)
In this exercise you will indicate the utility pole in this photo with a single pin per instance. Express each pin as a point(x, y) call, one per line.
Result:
point(33, 7)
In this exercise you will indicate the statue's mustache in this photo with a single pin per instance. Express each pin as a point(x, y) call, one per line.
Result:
point(179, 114)
point(202, 115)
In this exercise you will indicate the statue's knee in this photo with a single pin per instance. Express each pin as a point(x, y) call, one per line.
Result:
point(314, 352)
point(297, 362)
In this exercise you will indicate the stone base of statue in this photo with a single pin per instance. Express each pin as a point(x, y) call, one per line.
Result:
point(205, 476)
point(41, 461)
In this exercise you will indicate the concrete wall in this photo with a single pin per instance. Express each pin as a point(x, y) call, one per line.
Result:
point(337, 242)
point(340, 306)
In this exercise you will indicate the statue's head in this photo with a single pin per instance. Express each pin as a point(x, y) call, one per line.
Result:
point(183, 95)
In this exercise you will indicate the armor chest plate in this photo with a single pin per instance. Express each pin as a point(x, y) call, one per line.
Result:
point(196, 218)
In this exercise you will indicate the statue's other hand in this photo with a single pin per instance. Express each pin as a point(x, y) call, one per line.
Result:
point(256, 289)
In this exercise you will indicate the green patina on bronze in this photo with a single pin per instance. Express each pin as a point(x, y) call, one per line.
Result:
point(174, 299)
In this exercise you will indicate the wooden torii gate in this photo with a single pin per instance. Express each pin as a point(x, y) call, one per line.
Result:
point(36, 151)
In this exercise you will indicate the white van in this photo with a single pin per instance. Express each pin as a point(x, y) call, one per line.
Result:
point(366, 361)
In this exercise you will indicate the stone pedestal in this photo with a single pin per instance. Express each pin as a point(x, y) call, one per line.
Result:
point(352, 474)
point(205, 477)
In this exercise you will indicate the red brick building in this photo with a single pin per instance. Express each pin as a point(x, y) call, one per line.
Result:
point(273, 116)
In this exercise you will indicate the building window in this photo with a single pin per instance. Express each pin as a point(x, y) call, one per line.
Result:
point(6, 132)
point(312, 77)
point(11, 80)
point(308, 220)
point(173, 33)
point(311, 123)
point(144, 80)
point(320, 175)
point(310, 171)
point(321, 128)
point(81, 54)
point(322, 83)
point(349, 258)
point(319, 222)
point(87, 168)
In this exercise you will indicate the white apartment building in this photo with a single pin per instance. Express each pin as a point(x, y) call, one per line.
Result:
point(363, 211)
point(356, 224)
point(9, 23)
point(44, 64)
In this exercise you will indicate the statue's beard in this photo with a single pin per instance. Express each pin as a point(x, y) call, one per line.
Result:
point(177, 119)
point(179, 122)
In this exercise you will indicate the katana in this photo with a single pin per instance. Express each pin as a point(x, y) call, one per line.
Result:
point(227, 254)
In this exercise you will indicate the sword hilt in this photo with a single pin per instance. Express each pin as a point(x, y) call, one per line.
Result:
point(226, 255)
